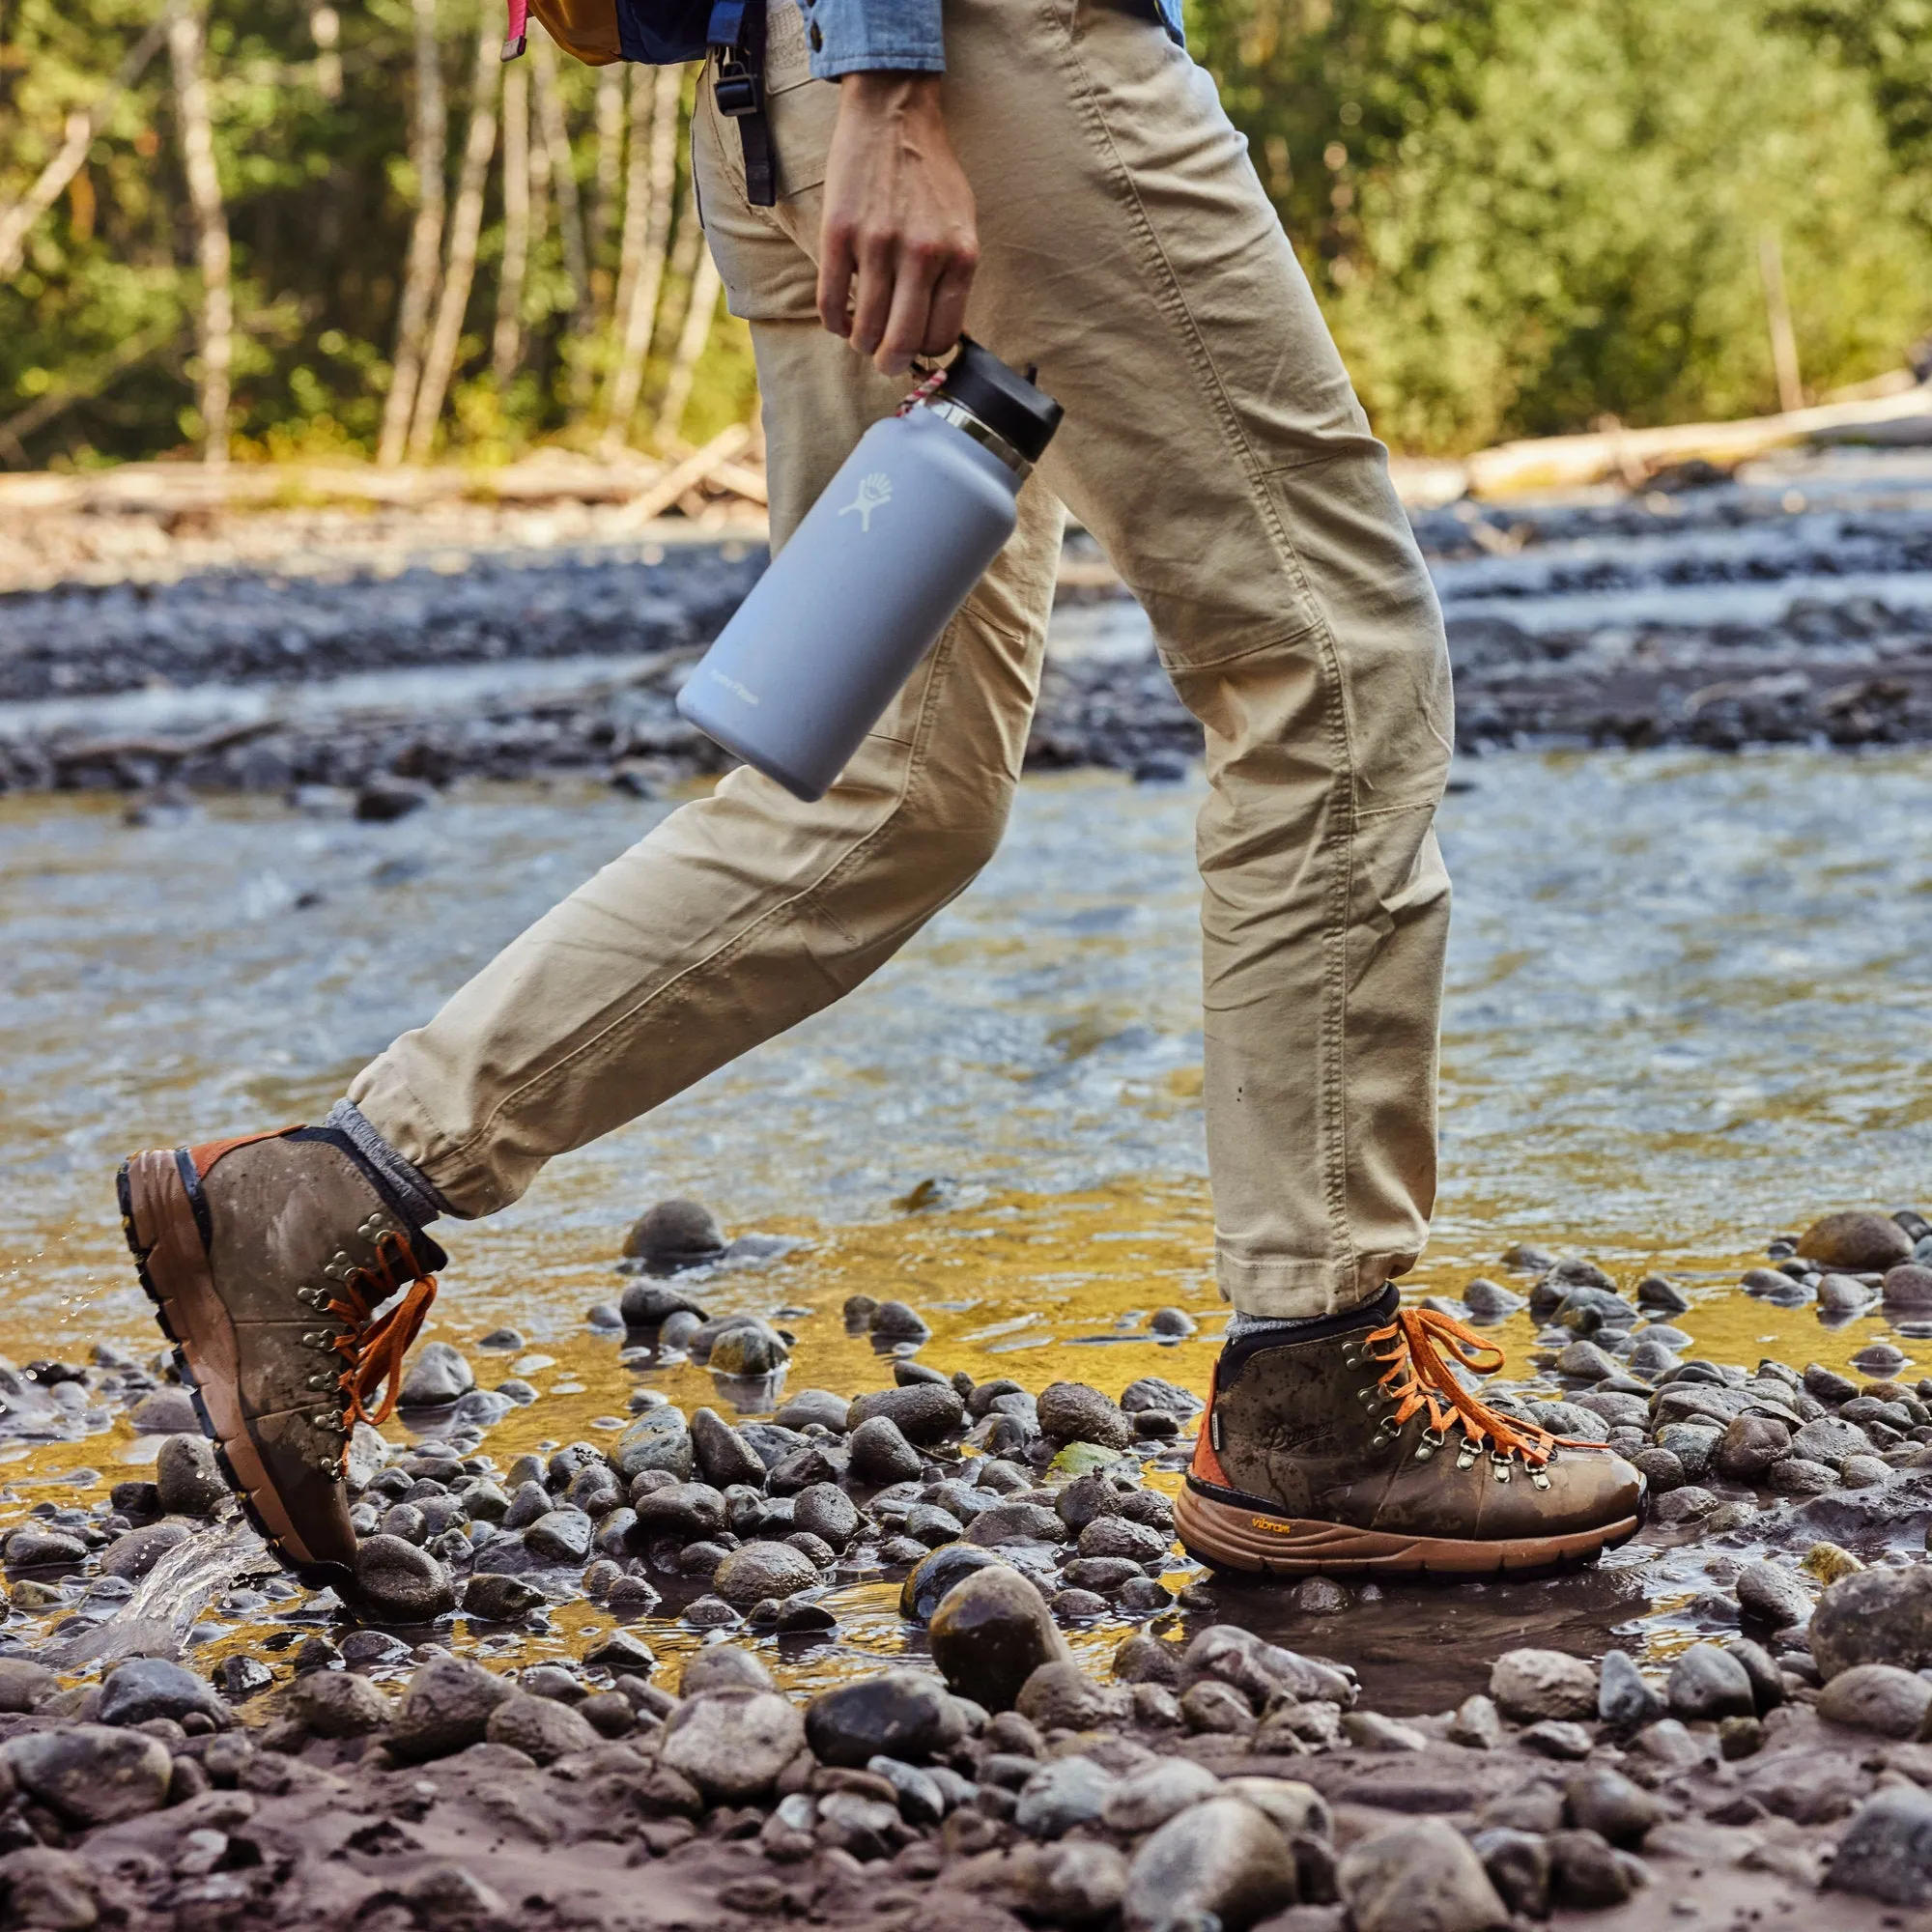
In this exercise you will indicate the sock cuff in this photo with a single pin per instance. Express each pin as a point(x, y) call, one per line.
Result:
point(1281, 1329)
point(415, 1192)
point(1250, 1335)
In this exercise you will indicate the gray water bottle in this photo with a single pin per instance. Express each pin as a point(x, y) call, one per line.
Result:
point(874, 573)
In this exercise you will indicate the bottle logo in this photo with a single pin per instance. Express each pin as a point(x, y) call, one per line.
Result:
point(873, 491)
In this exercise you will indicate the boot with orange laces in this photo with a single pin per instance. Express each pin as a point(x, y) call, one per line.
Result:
point(1348, 1444)
point(268, 1259)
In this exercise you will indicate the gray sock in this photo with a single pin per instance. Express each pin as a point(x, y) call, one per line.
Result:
point(414, 1188)
point(1379, 1307)
point(1278, 1326)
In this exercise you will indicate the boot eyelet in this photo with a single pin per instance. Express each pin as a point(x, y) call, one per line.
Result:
point(1539, 1479)
point(1432, 1441)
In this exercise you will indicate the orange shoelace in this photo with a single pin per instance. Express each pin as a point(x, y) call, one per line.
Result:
point(1418, 1379)
point(374, 1349)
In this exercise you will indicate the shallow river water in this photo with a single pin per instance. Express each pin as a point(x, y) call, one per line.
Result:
point(1687, 1012)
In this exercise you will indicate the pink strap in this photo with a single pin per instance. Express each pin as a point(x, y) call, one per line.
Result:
point(519, 31)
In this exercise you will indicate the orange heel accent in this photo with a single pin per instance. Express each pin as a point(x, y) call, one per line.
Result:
point(204, 1157)
point(1205, 1467)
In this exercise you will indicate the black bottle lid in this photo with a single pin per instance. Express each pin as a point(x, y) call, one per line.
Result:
point(1001, 398)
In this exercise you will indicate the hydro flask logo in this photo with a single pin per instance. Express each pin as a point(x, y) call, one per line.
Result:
point(873, 491)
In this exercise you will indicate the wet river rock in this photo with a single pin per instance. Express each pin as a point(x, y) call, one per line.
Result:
point(337, 1704)
point(646, 1306)
point(151, 1687)
point(659, 1440)
point(136, 1552)
point(1858, 1241)
point(933, 1576)
point(396, 1582)
point(540, 1727)
point(94, 1773)
point(990, 1633)
point(671, 1237)
point(1075, 1412)
point(924, 1413)
point(186, 1480)
point(1707, 1683)
point(1223, 1858)
point(723, 1456)
point(437, 1376)
point(881, 1454)
point(757, 1570)
point(1878, 1697)
point(1887, 1852)
point(687, 1511)
point(445, 1708)
point(745, 1349)
point(1876, 1616)
point(732, 1744)
point(820, 1406)
point(1421, 1874)
point(166, 1412)
point(899, 1714)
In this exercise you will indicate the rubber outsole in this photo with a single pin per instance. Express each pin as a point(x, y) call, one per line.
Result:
point(161, 1227)
point(1241, 1536)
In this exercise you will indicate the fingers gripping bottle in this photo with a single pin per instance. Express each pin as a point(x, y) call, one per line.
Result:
point(874, 572)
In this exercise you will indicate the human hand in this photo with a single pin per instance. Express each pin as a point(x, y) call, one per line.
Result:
point(899, 221)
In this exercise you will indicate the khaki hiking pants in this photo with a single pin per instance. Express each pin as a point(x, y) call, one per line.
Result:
point(1213, 447)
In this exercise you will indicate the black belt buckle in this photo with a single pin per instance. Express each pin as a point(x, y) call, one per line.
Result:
point(737, 89)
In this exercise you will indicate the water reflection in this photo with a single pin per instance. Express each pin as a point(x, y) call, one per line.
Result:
point(1686, 999)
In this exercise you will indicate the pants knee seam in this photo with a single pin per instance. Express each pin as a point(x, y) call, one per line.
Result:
point(730, 948)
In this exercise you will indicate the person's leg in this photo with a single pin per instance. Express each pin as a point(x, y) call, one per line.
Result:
point(746, 911)
point(737, 915)
point(1213, 445)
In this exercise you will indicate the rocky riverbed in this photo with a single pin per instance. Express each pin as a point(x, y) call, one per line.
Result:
point(1789, 603)
point(1081, 1729)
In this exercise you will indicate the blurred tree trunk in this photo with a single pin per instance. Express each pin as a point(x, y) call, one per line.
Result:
point(465, 225)
point(569, 207)
point(604, 194)
point(698, 315)
point(428, 148)
point(188, 49)
point(685, 251)
point(325, 29)
point(538, 152)
point(648, 206)
point(81, 128)
point(507, 347)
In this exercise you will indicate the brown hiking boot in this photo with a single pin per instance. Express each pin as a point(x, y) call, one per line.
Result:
point(266, 1259)
point(1354, 1448)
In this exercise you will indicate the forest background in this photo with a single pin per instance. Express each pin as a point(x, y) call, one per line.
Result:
point(271, 230)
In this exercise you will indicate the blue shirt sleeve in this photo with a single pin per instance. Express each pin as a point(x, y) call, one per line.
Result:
point(860, 36)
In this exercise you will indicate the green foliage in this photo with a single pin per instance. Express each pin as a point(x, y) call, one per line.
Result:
point(1517, 216)
point(319, 194)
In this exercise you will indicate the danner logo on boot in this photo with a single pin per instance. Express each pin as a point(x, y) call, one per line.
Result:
point(1287, 1439)
point(874, 490)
